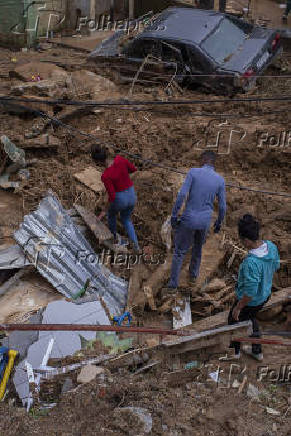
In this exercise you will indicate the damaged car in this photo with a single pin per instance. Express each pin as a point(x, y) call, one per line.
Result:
point(218, 51)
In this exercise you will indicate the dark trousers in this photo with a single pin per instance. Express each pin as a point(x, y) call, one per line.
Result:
point(246, 314)
point(288, 7)
point(184, 239)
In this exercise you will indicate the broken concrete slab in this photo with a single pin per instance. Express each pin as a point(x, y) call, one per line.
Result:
point(65, 343)
point(99, 229)
point(63, 256)
point(91, 177)
point(21, 341)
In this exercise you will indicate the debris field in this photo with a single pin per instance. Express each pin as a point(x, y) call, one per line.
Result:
point(58, 264)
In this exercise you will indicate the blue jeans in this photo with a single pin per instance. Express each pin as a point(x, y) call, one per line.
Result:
point(184, 239)
point(123, 204)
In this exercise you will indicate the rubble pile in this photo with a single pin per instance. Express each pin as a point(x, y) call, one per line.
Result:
point(60, 265)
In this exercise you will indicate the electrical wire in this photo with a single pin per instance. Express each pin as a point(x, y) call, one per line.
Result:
point(151, 162)
point(127, 102)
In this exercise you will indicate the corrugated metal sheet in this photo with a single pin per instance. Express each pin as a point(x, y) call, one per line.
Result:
point(63, 256)
point(13, 258)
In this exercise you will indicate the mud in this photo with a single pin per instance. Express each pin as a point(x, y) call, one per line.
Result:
point(168, 136)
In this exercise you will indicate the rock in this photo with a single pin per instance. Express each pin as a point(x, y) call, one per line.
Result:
point(253, 392)
point(133, 420)
point(67, 386)
point(215, 285)
point(89, 373)
point(43, 88)
point(271, 313)
point(85, 82)
point(45, 70)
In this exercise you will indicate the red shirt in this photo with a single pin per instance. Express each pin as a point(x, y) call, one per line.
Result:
point(116, 177)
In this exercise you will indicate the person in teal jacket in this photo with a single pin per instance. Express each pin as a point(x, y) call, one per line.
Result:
point(254, 285)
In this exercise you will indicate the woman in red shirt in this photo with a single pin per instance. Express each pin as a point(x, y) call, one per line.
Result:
point(121, 193)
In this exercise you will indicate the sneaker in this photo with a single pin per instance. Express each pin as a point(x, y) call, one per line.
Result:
point(247, 349)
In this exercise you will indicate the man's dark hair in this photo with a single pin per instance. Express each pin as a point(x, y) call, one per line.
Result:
point(209, 156)
point(248, 228)
point(98, 153)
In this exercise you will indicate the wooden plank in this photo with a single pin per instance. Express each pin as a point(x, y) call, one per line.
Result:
point(99, 229)
point(209, 338)
point(221, 318)
point(91, 177)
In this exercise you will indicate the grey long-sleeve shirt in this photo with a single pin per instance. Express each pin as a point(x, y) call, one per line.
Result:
point(202, 185)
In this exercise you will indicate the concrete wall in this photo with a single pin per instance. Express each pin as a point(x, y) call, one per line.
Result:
point(22, 23)
point(12, 23)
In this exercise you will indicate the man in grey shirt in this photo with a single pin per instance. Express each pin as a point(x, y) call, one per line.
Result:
point(201, 187)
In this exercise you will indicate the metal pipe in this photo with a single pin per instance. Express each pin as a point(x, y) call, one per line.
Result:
point(94, 328)
point(271, 333)
point(262, 341)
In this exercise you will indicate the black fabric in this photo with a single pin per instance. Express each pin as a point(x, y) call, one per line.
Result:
point(246, 314)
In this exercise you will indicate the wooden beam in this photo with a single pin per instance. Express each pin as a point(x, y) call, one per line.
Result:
point(209, 338)
point(99, 229)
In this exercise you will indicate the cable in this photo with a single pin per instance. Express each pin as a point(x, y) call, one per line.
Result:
point(58, 122)
point(126, 102)
point(152, 163)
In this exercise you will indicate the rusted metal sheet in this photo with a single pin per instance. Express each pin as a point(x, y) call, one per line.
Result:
point(63, 256)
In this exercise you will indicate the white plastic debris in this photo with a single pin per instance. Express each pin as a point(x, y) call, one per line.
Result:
point(166, 233)
point(272, 411)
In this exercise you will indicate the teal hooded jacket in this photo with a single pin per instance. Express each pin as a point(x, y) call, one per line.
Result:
point(255, 275)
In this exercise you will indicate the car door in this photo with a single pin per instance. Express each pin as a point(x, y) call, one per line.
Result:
point(143, 55)
point(201, 67)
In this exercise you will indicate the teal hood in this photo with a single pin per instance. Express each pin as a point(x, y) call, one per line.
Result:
point(256, 274)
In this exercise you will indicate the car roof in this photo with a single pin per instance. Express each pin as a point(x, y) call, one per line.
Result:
point(187, 24)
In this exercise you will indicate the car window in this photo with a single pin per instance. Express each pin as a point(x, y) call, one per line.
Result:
point(195, 60)
point(224, 41)
point(170, 53)
point(141, 48)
